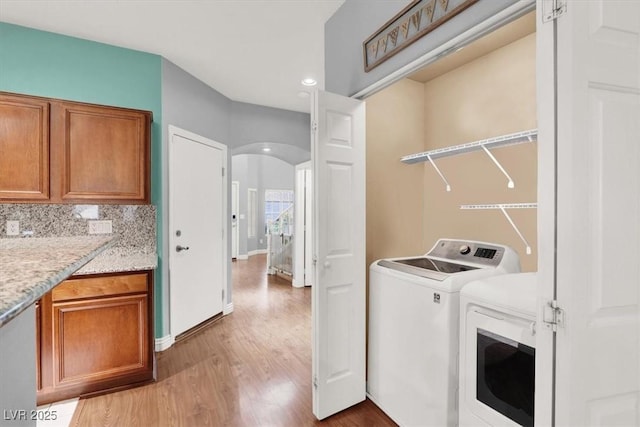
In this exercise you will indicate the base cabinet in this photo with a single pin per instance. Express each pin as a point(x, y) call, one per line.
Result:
point(96, 335)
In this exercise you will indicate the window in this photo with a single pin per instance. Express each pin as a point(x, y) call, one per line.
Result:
point(275, 203)
point(252, 213)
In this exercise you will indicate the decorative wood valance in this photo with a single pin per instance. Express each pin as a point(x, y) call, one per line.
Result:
point(414, 21)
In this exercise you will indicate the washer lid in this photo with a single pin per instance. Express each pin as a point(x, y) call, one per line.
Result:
point(425, 267)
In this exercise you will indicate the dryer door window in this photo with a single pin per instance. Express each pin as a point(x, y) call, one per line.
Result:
point(505, 376)
point(498, 369)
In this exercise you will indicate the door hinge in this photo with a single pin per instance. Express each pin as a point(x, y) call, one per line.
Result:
point(315, 382)
point(553, 316)
point(314, 260)
point(223, 295)
point(314, 126)
point(222, 171)
point(553, 9)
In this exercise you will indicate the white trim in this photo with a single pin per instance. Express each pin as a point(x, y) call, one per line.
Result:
point(174, 130)
point(228, 309)
point(485, 27)
point(242, 257)
point(257, 252)
point(252, 213)
point(164, 343)
point(297, 283)
point(235, 231)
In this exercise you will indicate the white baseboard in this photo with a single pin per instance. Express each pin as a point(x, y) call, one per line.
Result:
point(257, 252)
point(297, 283)
point(164, 343)
point(228, 309)
point(242, 257)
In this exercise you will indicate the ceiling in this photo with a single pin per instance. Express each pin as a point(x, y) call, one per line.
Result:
point(254, 51)
point(503, 36)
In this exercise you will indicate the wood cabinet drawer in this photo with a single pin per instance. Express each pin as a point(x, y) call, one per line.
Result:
point(93, 287)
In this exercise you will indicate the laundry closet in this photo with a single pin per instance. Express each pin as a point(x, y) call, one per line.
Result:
point(483, 91)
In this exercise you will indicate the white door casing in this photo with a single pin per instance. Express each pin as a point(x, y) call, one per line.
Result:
point(545, 96)
point(303, 212)
point(339, 294)
point(597, 272)
point(198, 213)
point(308, 228)
point(235, 212)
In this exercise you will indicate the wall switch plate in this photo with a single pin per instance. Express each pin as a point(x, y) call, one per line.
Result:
point(13, 228)
point(100, 227)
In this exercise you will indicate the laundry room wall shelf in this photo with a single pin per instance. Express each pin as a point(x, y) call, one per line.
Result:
point(503, 207)
point(484, 144)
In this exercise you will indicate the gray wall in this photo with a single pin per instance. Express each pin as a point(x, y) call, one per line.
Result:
point(17, 373)
point(356, 20)
point(254, 123)
point(191, 105)
point(261, 172)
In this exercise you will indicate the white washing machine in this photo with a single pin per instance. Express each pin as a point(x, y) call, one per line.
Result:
point(497, 351)
point(414, 325)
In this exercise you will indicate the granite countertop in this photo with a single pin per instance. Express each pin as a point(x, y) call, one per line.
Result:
point(31, 267)
point(116, 260)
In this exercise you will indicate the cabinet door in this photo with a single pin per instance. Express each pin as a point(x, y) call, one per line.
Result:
point(96, 335)
point(102, 153)
point(100, 339)
point(24, 148)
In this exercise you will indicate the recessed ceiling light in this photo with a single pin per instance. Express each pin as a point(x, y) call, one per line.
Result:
point(309, 82)
point(266, 149)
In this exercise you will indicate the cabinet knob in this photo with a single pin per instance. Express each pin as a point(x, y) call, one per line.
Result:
point(180, 248)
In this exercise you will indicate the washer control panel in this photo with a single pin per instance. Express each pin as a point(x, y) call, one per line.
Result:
point(460, 250)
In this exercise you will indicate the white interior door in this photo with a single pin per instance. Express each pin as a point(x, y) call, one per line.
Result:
point(338, 297)
point(197, 218)
point(597, 277)
point(235, 211)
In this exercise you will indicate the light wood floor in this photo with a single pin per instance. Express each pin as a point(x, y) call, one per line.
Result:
point(251, 368)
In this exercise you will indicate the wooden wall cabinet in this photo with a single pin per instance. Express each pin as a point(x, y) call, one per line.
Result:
point(96, 335)
point(24, 148)
point(69, 152)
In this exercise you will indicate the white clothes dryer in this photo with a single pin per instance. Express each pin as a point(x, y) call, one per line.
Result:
point(497, 351)
point(414, 326)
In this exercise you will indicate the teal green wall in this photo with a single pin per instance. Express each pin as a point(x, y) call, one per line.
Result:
point(51, 65)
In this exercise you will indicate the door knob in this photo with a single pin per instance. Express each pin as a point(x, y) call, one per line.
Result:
point(182, 248)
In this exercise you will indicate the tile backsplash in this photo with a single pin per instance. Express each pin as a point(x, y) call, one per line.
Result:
point(135, 225)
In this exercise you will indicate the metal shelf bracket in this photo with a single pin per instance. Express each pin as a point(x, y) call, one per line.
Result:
point(510, 184)
point(439, 173)
point(503, 208)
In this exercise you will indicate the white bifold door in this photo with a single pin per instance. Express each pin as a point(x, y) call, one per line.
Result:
point(339, 293)
point(594, 147)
